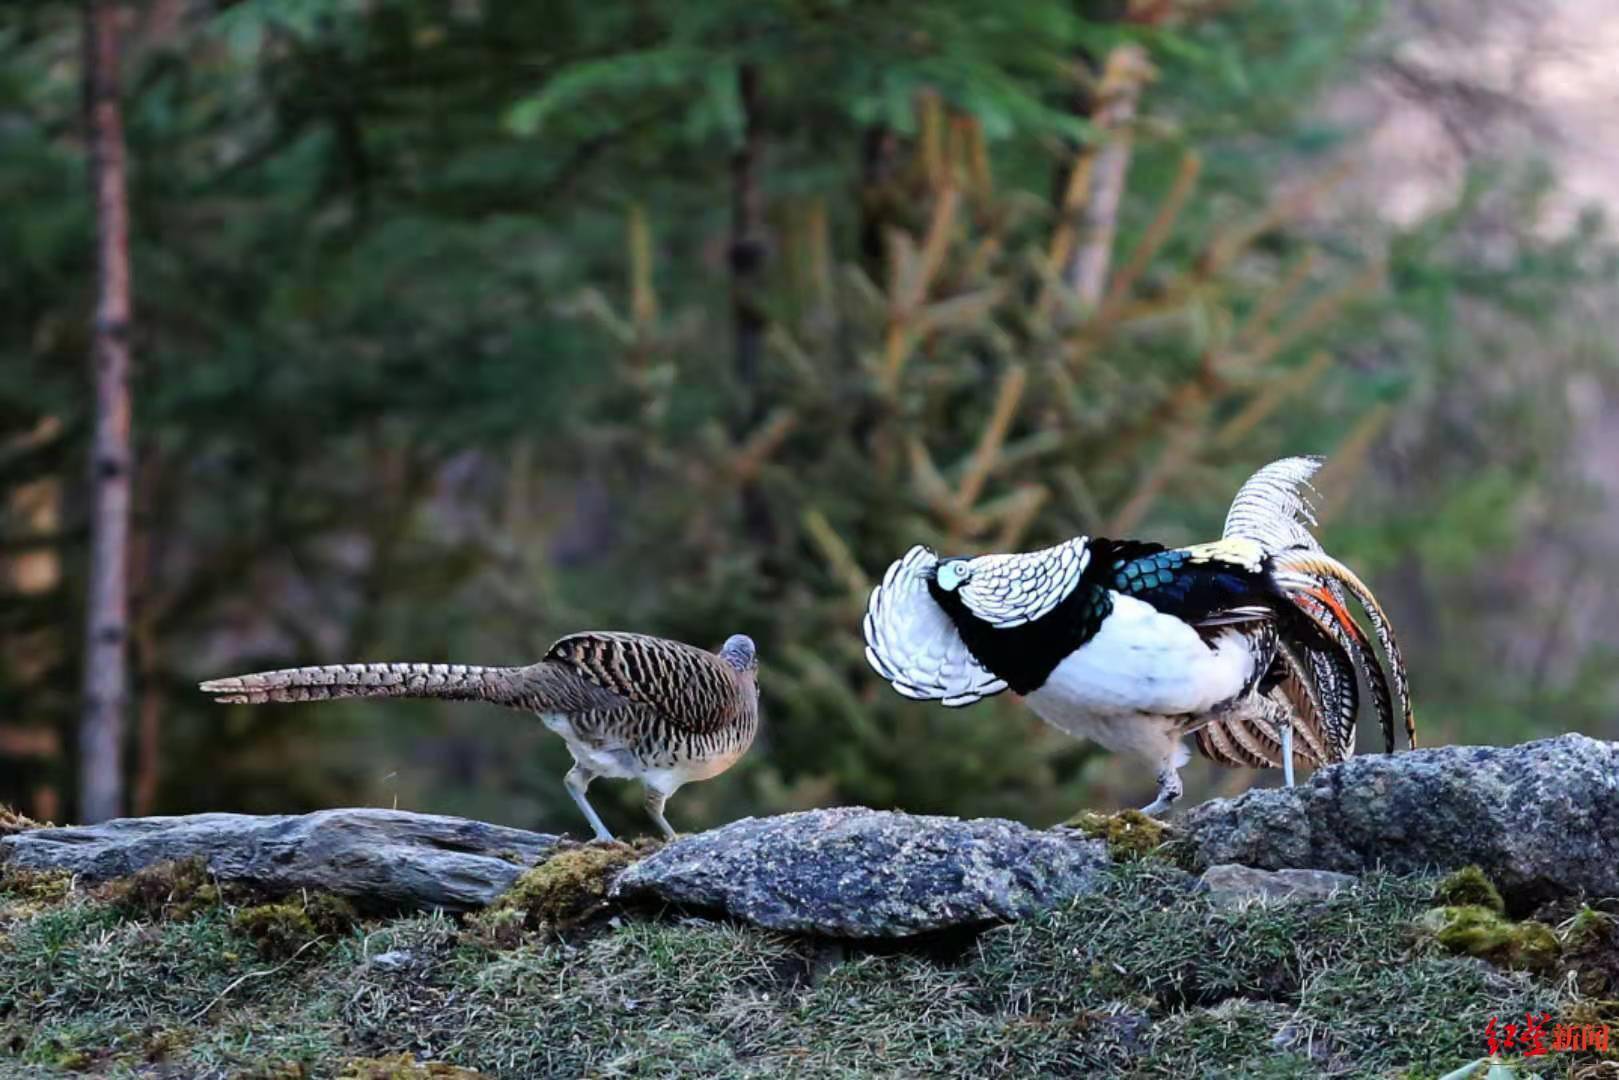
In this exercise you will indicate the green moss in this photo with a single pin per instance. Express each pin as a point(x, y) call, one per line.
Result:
point(1475, 930)
point(1469, 887)
point(282, 930)
point(1588, 929)
point(33, 886)
point(1129, 834)
point(176, 890)
point(26, 894)
point(1591, 952)
point(402, 1067)
point(564, 891)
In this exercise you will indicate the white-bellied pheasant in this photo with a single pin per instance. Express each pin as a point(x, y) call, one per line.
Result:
point(629, 706)
point(1242, 642)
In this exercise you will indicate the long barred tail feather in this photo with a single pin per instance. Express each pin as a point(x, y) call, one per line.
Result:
point(1330, 614)
point(461, 682)
point(1320, 682)
point(1314, 673)
point(1300, 573)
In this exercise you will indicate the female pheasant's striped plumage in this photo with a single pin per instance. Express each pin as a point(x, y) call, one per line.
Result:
point(627, 705)
point(1245, 642)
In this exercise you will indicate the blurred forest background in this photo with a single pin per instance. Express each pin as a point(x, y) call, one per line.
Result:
point(462, 324)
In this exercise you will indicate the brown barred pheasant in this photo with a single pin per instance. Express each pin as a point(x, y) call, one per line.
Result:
point(629, 706)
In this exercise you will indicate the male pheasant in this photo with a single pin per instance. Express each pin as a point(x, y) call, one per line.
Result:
point(1242, 642)
point(629, 706)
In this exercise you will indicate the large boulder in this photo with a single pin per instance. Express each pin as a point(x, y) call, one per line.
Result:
point(1541, 819)
point(379, 858)
point(857, 873)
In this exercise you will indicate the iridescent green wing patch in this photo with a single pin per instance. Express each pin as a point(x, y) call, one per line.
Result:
point(1135, 577)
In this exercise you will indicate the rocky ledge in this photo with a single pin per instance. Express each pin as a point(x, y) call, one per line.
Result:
point(378, 858)
point(1541, 820)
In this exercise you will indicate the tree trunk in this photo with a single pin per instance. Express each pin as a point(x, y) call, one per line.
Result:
point(747, 259)
point(101, 725)
point(1086, 273)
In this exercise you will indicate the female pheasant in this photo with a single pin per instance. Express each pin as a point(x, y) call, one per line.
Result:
point(1241, 642)
point(629, 706)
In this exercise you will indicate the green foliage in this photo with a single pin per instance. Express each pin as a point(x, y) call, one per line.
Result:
point(433, 319)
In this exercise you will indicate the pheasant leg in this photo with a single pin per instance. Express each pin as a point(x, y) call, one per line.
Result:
point(1169, 789)
point(654, 808)
point(1287, 753)
point(577, 780)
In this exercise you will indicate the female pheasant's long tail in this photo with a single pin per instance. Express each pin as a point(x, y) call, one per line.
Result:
point(460, 682)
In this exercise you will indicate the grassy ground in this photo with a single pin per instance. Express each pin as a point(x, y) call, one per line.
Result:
point(170, 976)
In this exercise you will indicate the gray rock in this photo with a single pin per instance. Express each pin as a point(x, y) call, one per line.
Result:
point(860, 873)
point(379, 858)
point(1230, 885)
point(1541, 819)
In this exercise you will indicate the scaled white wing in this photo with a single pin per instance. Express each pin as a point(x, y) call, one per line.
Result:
point(911, 642)
point(1011, 590)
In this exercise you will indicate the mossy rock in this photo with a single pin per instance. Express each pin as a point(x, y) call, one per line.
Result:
point(402, 1067)
point(564, 891)
point(1129, 834)
point(174, 890)
point(1469, 887)
point(1475, 930)
point(282, 930)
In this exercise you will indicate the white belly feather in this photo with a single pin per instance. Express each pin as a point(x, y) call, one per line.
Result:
point(1131, 687)
point(613, 762)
